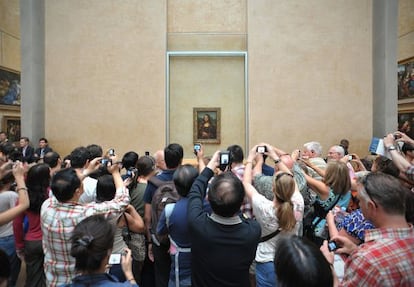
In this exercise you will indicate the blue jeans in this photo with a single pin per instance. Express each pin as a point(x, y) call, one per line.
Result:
point(7, 244)
point(265, 274)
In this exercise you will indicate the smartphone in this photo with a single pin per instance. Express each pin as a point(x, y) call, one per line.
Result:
point(115, 258)
point(197, 148)
point(261, 149)
point(224, 160)
point(350, 157)
point(332, 246)
point(111, 152)
point(147, 153)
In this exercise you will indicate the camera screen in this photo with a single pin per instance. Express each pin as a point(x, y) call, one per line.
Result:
point(261, 149)
point(115, 258)
point(111, 152)
point(332, 246)
point(224, 158)
point(197, 147)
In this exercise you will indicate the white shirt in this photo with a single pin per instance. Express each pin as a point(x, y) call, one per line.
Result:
point(89, 190)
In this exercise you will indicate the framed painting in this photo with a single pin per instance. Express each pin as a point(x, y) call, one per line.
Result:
point(11, 125)
point(9, 87)
point(206, 125)
point(406, 79)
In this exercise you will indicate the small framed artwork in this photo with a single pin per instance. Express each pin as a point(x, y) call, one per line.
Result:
point(11, 125)
point(406, 79)
point(206, 125)
point(9, 87)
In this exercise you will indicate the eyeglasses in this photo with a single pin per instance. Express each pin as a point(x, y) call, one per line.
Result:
point(364, 183)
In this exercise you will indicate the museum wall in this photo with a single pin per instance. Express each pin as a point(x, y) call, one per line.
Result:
point(9, 49)
point(405, 29)
point(309, 66)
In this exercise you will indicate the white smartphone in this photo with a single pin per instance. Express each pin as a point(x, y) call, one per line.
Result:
point(115, 258)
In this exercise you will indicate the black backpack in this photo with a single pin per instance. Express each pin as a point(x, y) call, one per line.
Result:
point(165, 194)
point(315, 215)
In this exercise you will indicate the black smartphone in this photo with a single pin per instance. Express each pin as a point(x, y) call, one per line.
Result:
point(111, 152)
point(332, 246)
point(147, 153)
point(224, 159)
point(261, 149)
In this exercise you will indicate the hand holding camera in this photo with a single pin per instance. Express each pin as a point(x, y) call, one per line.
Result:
point(197, 148)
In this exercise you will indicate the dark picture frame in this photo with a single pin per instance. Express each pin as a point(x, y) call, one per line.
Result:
point(10, 88)
point(206, 125)
point(406, 79)
point(12, 127)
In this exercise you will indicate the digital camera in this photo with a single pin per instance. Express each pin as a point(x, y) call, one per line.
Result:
point(105, 161)
point(332, 246)
point(261, 149)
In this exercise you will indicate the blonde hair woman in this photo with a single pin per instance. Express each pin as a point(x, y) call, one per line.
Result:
point(274, 217)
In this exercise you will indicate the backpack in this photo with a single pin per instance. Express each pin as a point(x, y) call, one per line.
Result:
point(312, 219)
point(163, 195)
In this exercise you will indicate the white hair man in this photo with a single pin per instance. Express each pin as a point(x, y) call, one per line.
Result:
point(313, 151)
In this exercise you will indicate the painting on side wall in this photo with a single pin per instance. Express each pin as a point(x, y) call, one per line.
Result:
point(11, 125)
point(9, 87)
point(406, 79)
point(206, 123)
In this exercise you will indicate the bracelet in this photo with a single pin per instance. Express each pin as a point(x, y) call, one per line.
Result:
point(277, 160)
point(390, 148)
point(21, 188)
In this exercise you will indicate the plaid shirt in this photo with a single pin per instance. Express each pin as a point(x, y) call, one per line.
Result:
point(385, 259)
point(58, 221)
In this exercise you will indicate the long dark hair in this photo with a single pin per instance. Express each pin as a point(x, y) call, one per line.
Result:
point(38, 181)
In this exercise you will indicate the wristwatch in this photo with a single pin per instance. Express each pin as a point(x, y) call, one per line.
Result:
point(390, 148)
point(277, 160)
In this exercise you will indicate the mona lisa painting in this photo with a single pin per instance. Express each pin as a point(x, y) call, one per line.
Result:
point(206, 122)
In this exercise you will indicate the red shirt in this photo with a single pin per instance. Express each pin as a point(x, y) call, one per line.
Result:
point(33, 233)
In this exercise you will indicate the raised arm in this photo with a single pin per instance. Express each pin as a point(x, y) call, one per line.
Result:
point(402, 164)
point(200, 158)
point(9, 215)
point(247, 177)
point(317, 186)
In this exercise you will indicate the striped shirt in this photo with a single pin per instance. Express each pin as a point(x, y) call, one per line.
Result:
point(385, 259)
point(58, 219)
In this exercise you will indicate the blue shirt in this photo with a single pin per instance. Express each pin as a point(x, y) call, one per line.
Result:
point(178, 230)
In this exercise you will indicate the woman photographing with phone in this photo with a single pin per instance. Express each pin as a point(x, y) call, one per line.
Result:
point(92, 242)
point(274, 217)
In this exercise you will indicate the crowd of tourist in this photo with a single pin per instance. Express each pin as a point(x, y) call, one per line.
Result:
point(267, 217)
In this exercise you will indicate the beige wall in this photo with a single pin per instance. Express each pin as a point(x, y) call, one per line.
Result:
point(310, 69)
point(105, 74)
point(310, 72)
point(9, 45)
point(405, 29)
